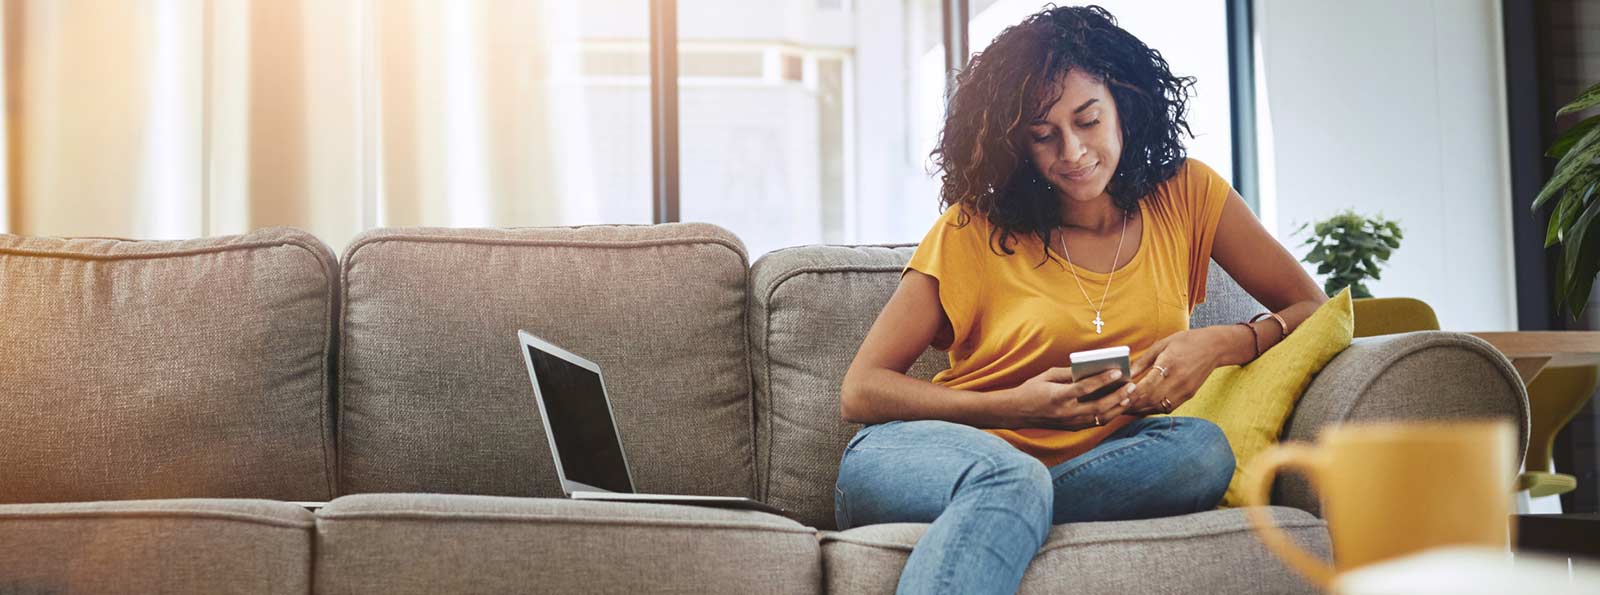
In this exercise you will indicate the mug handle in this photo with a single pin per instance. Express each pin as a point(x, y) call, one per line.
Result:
point(1258, 494)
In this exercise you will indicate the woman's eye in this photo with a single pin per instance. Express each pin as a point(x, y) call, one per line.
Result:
point(1040, 139)
point(1090, 124)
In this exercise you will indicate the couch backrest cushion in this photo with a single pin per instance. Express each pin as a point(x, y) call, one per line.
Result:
point(166, 369)
point(810, 309)
point(433, 392)
point(1226, 302)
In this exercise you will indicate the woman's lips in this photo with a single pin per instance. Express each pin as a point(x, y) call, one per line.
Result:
point(1079, 175)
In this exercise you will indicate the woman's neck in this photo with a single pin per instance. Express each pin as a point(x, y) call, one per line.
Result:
point(1098, 216)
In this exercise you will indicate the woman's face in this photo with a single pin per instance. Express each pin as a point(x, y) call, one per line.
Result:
point(1077, 144)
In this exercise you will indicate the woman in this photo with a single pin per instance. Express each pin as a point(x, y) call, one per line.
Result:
point(1072, 221)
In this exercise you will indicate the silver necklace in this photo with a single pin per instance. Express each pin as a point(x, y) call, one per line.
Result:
point(1098, 323)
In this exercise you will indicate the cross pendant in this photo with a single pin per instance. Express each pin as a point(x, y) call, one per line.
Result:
point(1098, 323)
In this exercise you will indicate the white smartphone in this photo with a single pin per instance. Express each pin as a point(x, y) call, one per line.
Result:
point(1089, 363)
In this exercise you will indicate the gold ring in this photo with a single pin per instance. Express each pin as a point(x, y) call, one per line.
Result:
point(1097, 420)
point(1167, 403)
point(1160, 369)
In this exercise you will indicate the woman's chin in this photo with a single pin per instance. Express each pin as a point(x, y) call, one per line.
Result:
point(1086, 193)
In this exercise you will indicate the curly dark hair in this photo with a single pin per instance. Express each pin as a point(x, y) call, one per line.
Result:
point(982, 160)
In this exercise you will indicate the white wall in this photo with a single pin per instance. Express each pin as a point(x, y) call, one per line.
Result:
point(1398, 108)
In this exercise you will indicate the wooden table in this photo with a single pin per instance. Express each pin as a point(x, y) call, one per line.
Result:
point(1531, 351)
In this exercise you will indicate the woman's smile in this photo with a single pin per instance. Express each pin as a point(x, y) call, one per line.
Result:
point(1081, 174)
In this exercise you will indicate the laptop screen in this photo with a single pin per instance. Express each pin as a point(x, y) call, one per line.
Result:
point(580, 422)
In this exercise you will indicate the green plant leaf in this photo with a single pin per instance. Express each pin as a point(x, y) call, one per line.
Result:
point(1324, 268)
point(1588, 98)
point(1581, 159)
point(1578, 254)
point(1579, 286)
point(1567, 210)
point(1564, 143)
point(1582, 150)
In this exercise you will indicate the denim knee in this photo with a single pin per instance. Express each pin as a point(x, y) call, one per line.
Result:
point(1020, 483)
point(1211, 458)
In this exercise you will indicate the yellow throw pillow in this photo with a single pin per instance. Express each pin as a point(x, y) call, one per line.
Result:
point(1251, 402)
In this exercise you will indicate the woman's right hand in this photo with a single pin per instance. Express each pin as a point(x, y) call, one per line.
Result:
point(1050, 400)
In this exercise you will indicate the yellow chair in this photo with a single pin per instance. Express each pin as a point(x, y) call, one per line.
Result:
point(1554, 397)
point(1387, 316)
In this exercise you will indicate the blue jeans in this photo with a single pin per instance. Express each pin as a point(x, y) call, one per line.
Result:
point(992, 505)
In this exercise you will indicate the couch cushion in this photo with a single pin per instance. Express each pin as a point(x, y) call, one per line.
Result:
point(810, 309)
point(155, 546)
point(1226, 302)
point(1251, 402)
point(1208, 552)
point(166, 369)
point(426, 543)
point(433, 392)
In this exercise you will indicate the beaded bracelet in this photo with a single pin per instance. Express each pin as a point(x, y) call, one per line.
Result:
point(1283, 327)
point(1255, 340)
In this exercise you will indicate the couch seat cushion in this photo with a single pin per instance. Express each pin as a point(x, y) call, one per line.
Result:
point(1207, 552)
point(155, 546)
point(429, 543)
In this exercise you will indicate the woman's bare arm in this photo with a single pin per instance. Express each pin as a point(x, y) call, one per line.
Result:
point(877, 389)
point(1266, 270)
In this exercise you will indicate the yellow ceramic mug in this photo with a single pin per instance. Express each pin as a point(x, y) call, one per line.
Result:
point(1392, 489)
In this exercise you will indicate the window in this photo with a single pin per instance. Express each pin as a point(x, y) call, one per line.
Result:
point(828, 140)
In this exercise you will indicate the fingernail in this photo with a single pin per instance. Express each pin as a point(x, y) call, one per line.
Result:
point(1125, 402)
point(1130, 388)
point(1115, 374)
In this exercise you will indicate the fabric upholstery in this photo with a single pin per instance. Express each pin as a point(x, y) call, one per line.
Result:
point(1429, 375)
point(1208, 552)
point(810, 309)
point(166, 369)
point(394, 544)
point(434, 395)
point(1251, 402)
point(156, 546)
point(1226, 302)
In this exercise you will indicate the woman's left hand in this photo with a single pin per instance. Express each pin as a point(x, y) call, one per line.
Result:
point(1174, 368)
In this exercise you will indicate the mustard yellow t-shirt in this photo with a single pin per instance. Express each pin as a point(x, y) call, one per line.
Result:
point(1013, 319)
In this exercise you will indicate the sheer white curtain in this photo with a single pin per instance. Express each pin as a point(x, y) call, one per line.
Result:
point(183, 118)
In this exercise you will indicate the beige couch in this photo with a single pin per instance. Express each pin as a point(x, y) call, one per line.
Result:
point(162, 403)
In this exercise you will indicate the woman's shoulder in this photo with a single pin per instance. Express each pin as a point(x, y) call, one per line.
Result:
point(1191, 174)
point(961, 221)
point(1188, 189)
point(959, 233)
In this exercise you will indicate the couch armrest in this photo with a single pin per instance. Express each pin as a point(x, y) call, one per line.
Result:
point(1428, 375)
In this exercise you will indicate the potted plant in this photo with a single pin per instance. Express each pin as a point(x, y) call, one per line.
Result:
point(1349, 248)
point(1574, 181)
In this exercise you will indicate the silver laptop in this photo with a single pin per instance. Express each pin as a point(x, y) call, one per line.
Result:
point(583, 435)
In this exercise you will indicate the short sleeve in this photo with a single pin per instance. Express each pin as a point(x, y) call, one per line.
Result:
point(953, 254)
point(1205, 193)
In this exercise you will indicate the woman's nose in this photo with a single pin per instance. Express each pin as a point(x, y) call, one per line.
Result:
point(1074, 147)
